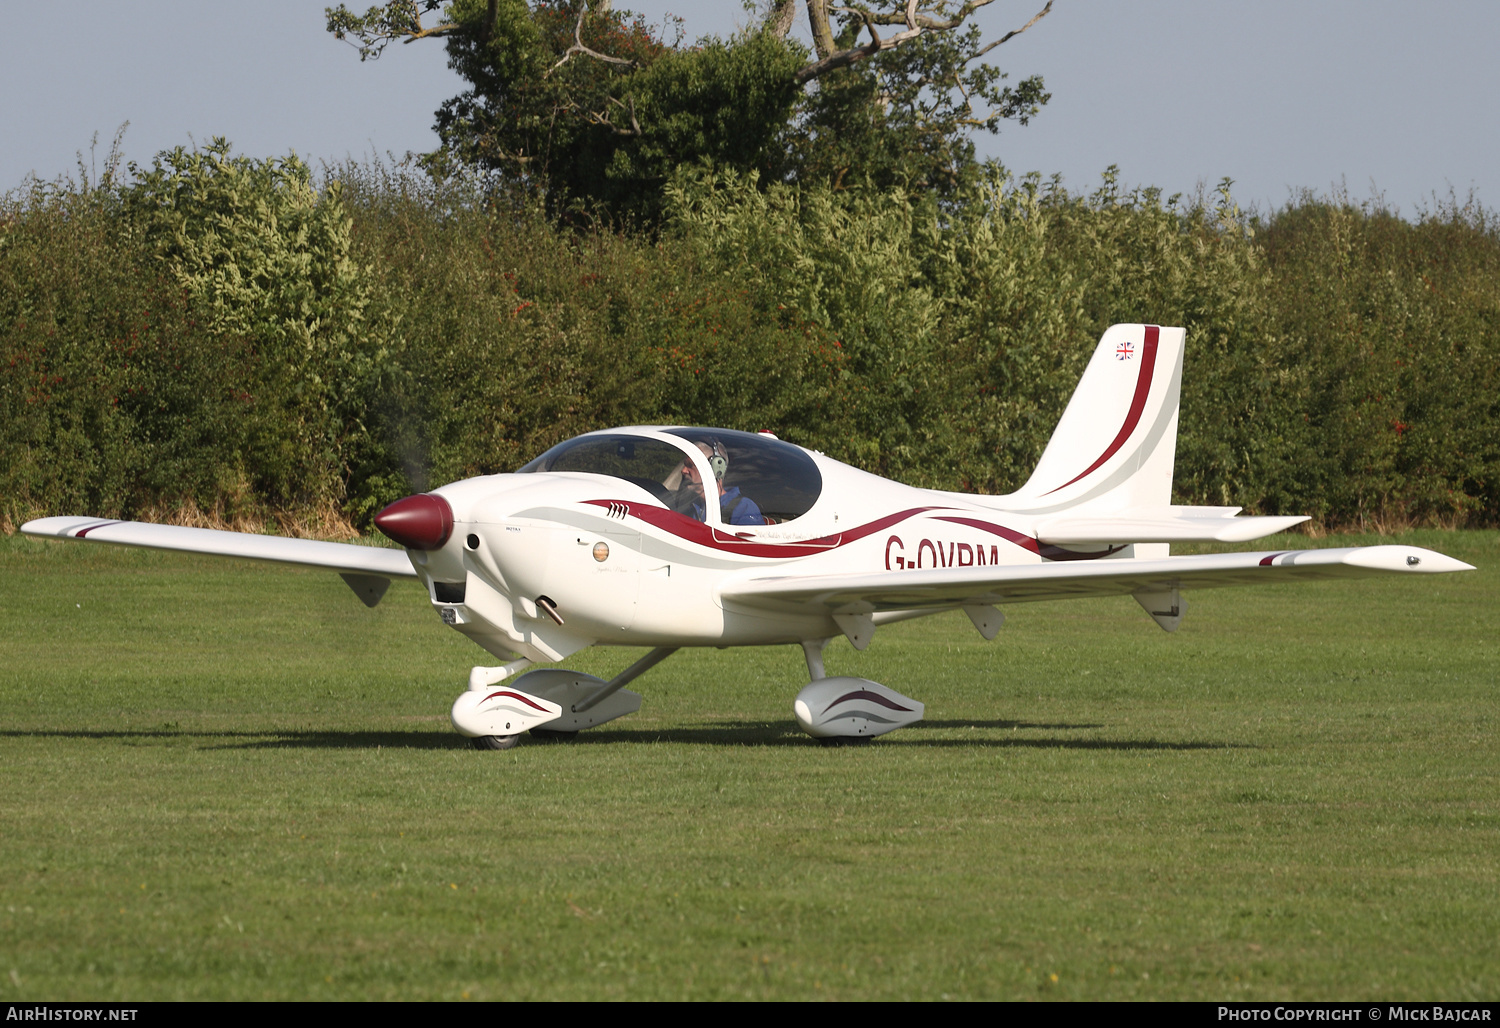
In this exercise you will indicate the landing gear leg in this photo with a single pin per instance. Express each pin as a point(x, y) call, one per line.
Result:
point(484, 677)
point(581, 706)
point(812, 649)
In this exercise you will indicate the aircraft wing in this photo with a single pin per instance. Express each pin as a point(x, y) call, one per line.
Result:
point(344, 558)
point(875, 591)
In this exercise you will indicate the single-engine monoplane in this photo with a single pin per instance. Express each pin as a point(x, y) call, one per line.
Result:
point(666, 537)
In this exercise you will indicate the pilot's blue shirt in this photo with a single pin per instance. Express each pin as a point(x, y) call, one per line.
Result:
point(743, 510)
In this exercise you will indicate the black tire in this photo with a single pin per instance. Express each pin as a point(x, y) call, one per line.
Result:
point(495, 742)
point(835, 741)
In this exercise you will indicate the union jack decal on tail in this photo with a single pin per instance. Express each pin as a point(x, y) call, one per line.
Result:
point(1126, 351)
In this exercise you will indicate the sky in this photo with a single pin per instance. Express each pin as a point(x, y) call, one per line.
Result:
point(1374, 97)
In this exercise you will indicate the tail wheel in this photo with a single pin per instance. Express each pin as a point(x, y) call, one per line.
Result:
point(495, 742)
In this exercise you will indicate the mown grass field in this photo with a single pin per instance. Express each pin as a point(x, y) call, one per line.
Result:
point(225, 781)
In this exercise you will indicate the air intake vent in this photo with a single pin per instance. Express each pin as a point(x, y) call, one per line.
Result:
point(448, 592)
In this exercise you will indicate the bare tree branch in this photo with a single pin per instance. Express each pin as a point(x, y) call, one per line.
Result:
point(436, 30)
point(822, 31)
point(629, 104)
point(844, 58)
point(1038, 16)
point(578, 47)
point(916, 23)
point(779, 20)
point(927, 21)
point(380, 26)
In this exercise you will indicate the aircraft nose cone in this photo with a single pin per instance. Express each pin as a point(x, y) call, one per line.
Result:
point(421, 522)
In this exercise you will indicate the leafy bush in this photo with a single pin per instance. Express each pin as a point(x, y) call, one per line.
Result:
point(225, 338)
point(1394, 328)
point(190, 341)
point(510, 335)
point(1341, 361)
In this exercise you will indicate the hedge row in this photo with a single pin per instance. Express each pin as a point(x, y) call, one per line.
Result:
point(225, 338)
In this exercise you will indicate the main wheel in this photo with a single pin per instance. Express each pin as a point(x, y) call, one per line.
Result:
point(495, 742)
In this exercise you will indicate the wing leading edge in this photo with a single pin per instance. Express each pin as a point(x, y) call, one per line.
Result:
point(347, 559)
point(875, 591)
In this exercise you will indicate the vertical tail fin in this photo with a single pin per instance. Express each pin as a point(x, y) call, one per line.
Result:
point(1117, 441)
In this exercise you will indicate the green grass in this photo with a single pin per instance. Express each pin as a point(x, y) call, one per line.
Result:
point(226, 781)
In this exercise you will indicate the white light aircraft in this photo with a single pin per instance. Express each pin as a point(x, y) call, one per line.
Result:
point(608, 539)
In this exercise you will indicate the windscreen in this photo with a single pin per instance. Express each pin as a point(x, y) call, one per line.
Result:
point(648, 463)
point(781, 478)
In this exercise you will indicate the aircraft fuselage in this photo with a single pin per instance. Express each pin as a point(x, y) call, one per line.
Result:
point(544, 564)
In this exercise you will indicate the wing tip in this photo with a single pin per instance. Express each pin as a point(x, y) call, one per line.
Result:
point(1406, 560)
point(58, 527)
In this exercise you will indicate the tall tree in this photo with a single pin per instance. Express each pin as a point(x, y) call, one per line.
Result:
point(903, 107)
point(582, 102)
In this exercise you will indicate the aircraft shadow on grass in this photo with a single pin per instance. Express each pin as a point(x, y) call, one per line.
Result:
point(213, 740)
point(729, 734)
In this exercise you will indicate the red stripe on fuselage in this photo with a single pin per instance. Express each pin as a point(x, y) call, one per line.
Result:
point(1137, 406)
point(1026, 542)
point(1010, 535)
point(694, 531)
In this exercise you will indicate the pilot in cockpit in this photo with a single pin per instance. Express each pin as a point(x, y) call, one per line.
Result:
point(735, 508)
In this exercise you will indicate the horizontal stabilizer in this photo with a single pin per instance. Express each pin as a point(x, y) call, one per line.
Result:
point(1162, 525)
point(1021, 583)
point(342, 557)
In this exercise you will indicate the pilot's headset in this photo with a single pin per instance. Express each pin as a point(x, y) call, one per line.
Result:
point(718, 460)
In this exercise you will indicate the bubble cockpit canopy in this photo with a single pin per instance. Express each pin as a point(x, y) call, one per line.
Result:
point(782, 479)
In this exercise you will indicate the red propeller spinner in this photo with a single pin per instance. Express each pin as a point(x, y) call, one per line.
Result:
point(421, 522)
